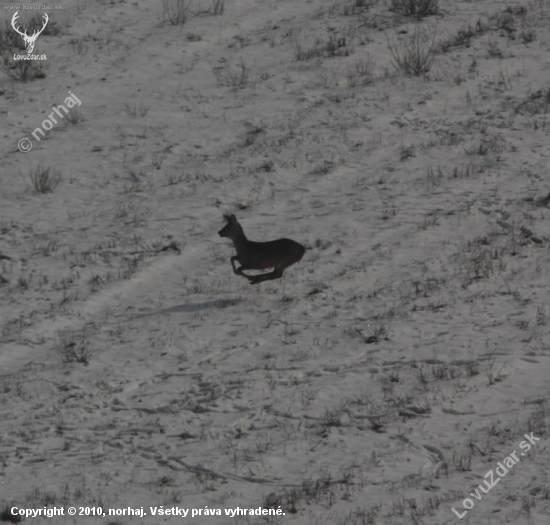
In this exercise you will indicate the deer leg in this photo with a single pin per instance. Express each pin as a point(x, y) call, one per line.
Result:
point(239, 271)
point(236, 271)
point(275, 274)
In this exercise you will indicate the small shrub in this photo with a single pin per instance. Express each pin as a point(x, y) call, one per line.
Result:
point(504, 21)
point(9, 39)
point(418, 8)
point(536, 103)
point(74, 116)
point(7, 90)
point(353, 8)
point(74, 349)
point(463, 37)
point(237, 77)
point(416, 55)
point(36, 21)
point(23, 70)
point(133, 110)
point(528, 35)
point(6, 515)
point(78, 45)
point(193, 37)
point(487, 144)
point(361, 73)
point(462, 462)
point(44, 180)
point(175, 12)
point(472, 368)
point(217, 8)
point(493, 51)
point(333, 47)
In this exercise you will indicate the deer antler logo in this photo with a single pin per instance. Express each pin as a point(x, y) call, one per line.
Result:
point(29, 40)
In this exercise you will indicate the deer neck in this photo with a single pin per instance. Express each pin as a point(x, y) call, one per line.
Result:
point(239, 242)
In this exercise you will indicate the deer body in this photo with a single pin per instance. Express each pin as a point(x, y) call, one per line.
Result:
point(279, 254)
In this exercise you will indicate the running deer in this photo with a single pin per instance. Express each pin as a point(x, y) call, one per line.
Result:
point(279, 254)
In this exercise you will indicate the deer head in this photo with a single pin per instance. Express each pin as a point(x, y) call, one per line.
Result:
point(29, 40)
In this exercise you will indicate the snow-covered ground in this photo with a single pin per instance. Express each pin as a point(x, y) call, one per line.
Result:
point(380, 380)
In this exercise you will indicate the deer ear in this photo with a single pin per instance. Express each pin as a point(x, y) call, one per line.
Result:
point(232, 219)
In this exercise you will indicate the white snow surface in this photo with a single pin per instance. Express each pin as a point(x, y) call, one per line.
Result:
point(386, 373)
